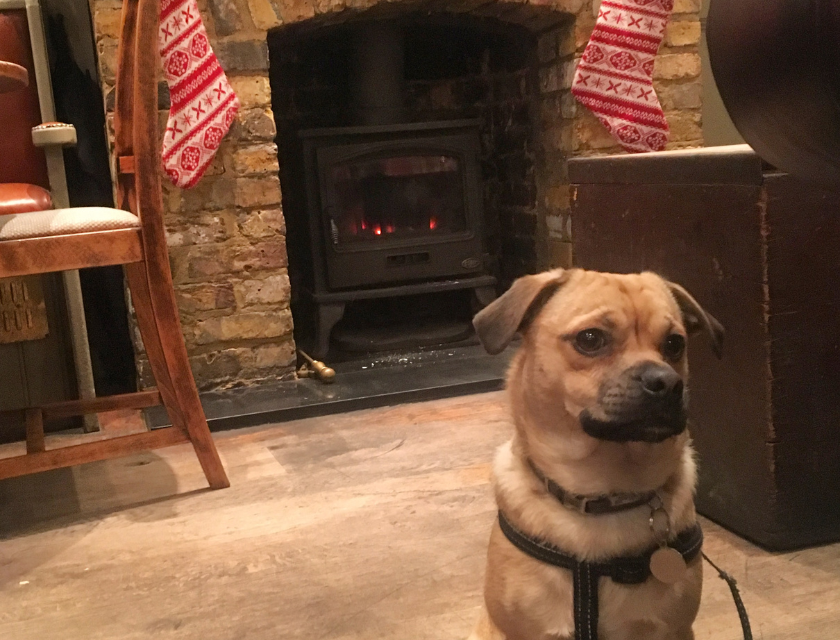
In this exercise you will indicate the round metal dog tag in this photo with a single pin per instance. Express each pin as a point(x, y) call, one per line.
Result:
point(667, 565)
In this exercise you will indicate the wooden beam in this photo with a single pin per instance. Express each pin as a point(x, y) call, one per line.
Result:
point(71, 251)
point(69, 408)
point(90, 452)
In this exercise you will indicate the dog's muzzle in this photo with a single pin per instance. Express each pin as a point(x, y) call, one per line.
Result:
point(647, 403)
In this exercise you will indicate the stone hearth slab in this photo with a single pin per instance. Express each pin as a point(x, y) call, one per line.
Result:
point(381, 380)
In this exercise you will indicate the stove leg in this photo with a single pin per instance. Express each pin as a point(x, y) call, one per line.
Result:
point(328, 315)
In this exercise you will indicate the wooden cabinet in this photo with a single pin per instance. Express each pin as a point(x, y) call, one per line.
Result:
point(761, 251)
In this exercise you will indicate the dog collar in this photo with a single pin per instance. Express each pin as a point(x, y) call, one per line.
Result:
point(593, 505)
point(585, 575)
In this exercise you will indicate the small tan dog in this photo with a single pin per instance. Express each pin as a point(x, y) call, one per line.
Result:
point(600, 465)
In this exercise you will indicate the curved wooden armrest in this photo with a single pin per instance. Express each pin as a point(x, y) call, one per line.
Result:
point(54, 133)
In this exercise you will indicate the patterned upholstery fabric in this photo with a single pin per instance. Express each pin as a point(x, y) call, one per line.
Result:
point(55, 222)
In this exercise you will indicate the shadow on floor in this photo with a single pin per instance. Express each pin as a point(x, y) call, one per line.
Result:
point(63, 498)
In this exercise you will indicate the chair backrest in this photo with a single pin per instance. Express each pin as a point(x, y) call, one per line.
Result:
point(136, 142)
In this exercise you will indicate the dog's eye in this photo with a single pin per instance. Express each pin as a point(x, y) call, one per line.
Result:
point(674, 347)
point(590, 341)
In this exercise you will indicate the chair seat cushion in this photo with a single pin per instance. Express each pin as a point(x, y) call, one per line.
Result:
point(55, 222)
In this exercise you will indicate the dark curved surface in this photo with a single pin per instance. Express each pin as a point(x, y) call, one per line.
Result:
point(12, 77)
point(777, 66)
point(20, 160)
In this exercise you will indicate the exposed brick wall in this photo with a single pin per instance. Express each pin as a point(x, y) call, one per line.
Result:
point(227, 236)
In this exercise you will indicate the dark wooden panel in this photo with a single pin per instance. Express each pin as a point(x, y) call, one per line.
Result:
point(803, 250)
point(764, 260)
point(50, 374)
point(38, 371)
point(13, 383)
point(709, 239)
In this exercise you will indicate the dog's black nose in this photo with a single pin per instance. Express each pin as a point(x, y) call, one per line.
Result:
point(660, 382)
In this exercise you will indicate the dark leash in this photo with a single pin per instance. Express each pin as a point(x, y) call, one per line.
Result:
point(736, 596)
point(622, 570)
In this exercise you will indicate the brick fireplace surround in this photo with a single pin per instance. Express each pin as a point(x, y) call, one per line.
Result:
point(227, 236)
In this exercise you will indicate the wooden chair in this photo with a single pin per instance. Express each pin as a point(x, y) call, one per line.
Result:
point(132, 235)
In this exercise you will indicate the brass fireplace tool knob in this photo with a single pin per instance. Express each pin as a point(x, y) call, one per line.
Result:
point(315, 369)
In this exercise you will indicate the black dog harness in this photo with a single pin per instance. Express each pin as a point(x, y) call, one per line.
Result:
point(585, 575)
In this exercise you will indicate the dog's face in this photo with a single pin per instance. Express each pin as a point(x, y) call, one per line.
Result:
point(611, 348)
point(618, 344)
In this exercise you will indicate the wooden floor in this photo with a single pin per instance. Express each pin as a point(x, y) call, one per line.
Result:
point(369, 525)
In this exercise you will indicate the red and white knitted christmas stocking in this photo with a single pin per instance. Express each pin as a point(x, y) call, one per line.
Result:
point(613, 78)
point(203, 104)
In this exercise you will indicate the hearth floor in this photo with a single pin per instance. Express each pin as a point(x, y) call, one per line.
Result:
point(361, 383)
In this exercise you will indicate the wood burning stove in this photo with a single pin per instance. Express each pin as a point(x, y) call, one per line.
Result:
point(395, 203)
point(393, 210)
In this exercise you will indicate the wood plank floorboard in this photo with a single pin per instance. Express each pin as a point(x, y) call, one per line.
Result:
point(369, 525)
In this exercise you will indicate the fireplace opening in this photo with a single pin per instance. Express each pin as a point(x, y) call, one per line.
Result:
point(407, 156)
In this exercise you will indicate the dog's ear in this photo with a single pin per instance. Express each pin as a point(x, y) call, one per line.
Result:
point(697, 319)
point(497, 323)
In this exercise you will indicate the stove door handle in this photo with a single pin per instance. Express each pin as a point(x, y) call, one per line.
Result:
point(329, 209)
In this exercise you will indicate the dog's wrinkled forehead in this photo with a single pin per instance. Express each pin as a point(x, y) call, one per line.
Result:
point(612, 301)
point(561, 298)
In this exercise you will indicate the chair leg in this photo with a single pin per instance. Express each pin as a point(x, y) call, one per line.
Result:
point(160, 328)
point(138, 285)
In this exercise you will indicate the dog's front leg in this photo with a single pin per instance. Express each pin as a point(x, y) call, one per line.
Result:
point(485, 629)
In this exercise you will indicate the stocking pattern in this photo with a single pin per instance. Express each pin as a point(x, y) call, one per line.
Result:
point(614, 77)
point(203, 104)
